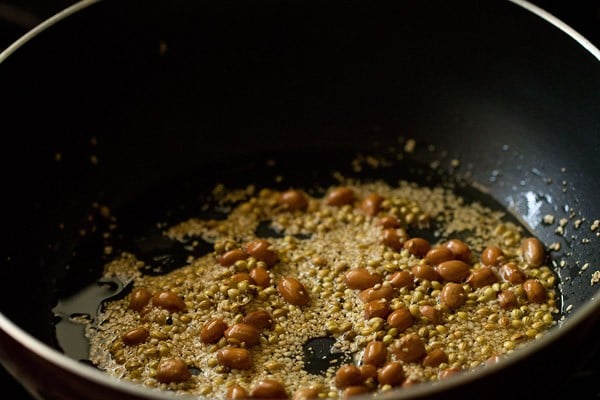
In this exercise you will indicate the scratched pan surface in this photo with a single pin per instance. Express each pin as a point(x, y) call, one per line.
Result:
point(143, 114)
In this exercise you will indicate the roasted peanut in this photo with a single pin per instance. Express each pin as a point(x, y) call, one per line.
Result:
point(268, 389)
point(533, 251)
point(239, 277)
point(453, 270)
point(136, 336)
point(389, 221)
point(306, 394)
point(369, 371)
point(260, 249)
point(213, 330)
point(172, 370)
point(426, 272)
point(409, 348)
point(448, 372)
point(370, 205)
point(361, 278)
point(416, 246)
point(431, 313)
point(375, 353)
point(168, 300)
point(348, 375)
point(236, 392)
point(492, 256)
point(293, 291)
point(401, 319)
point(438, 254)
point(140, 297)
point(391, 374)
point(435, 357)
point(340, 196)
point(460, 249)
point(400, 279)
point(453, 295)
point(260, 277)
point(230, 257)
point(354, 390)
point(536, 292)
point(392, 239)
point(293, 200)
point(507, 299)
point(243, 333)
point(481, 277)
point(260, 319)
point(383, 292)
point(235, 357)
point(510, 272)
point(377, 308)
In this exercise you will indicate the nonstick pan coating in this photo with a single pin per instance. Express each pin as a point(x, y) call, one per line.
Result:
point(104, 112)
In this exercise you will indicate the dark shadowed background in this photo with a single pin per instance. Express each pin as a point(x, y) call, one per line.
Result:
point(19, 16)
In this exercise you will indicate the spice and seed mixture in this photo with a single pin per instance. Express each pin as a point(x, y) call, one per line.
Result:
point(399, 309)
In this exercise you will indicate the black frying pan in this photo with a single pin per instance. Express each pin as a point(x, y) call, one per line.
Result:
point(99, 112)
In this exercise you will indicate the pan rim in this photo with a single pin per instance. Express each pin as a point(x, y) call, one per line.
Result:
point(587, 310)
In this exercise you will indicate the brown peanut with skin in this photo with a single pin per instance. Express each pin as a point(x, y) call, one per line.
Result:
point(340, 196)
point(431, 313)
point(492, 256)
point(236, 392)
point(383, 292)
point(168, 300)
point(533, 251)
point(377, 308)
point(416, 246)
point(389, 221)
point(243, 333)
point(370, 205)
point(438, 255)
point(260, 250)
point(235, 358)
point(348, 375)
point(260, 276)
point(400, 279)
point(260, 319)
point(482, 277)
point(213, 330)
point(230, 257)
point(136, 336)
point(140, 297)
point(507, 299)
point(536, 292)
point(306, 394)
point(293, 200)
point(391, 374)
point(361, 278)
point(293, 291)
point(268, 389)
point(375, 354)
point(460, 249)
point(435, 357)
point(511, 272)
point(401, 319)
point(426, 272)
point(409, 348)
point(354, 390)
point(453, 270)
point(392, 239)
point(172, 370)
point(453, 295)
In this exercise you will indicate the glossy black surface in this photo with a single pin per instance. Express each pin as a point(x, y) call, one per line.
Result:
point(577, 15)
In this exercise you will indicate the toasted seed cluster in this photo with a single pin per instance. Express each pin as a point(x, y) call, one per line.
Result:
point(232, 323)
